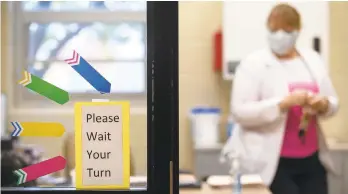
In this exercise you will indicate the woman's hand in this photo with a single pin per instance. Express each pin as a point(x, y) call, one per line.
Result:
point(319, 104)
point(297, 98)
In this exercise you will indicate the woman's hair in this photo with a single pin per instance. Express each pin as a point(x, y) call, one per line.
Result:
point(287, 14)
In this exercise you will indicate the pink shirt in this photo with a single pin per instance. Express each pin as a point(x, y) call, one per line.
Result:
point(299, 79)
point(292, 145)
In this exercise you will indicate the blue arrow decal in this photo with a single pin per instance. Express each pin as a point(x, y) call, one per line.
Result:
point(81, 66)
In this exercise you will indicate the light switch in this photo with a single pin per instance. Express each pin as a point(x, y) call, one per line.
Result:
point(231, 66)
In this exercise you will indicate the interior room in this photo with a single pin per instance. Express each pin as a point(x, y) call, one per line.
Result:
point(213, 38)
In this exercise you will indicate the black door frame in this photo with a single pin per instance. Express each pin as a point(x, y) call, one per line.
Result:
point(163, 97)
point(162, 106)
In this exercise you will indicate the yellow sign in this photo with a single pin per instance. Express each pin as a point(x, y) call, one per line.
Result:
point(102, 148)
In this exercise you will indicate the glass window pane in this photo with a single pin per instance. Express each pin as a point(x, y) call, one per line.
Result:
point(93, 41)
point(84, 5)
point(117, 51)
point(125, 77)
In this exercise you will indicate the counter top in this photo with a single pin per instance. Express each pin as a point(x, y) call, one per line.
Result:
point(259, 189)
point(335, 144)
point(206, 189)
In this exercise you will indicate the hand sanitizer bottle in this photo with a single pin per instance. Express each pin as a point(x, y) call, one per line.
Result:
point(230, 125)
point(236, 175)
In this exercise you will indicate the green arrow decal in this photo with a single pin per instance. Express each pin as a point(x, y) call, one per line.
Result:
point(44, 88)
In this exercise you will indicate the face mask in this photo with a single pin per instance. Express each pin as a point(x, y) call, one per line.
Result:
point(281, 42)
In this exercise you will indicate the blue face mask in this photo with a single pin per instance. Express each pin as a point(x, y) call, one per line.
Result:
point(281, 42)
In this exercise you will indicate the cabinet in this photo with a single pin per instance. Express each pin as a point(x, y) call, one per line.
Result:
point(207, 163)
point(345, 177)
point(336, 182)
point(244, 29)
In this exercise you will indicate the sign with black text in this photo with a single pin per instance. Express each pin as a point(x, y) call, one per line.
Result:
point(102, 145)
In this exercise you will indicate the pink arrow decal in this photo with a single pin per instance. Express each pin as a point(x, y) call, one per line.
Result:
point(40, 169)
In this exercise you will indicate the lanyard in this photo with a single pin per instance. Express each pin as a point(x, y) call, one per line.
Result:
point(311, 75)
point(305, 119)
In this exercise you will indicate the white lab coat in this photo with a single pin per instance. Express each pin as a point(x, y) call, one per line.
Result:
point(258, 86)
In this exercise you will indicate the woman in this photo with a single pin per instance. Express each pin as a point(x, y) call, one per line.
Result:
point(279, 96)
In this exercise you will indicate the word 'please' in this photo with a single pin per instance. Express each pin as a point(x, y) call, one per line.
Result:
point(102, 119)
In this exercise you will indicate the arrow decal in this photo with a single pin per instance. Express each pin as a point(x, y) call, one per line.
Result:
point(22, 176)
point(44, 88)
point(40, 169)
point(17, 129)
point(26, 80)
point(37, 129)
point(92, 76)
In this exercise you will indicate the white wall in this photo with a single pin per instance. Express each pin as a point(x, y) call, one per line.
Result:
point(245, 29)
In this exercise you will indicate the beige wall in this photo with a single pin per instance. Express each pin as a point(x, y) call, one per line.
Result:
point(199, 85)
point(3, 43)
point(338, 126)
